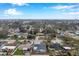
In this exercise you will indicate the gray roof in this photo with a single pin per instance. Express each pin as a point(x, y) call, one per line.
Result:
point(56, 46)
point(40, 47)
point(1, 45)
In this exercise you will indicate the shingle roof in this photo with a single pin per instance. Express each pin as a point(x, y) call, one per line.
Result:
point(40, 47)
point(56, 46)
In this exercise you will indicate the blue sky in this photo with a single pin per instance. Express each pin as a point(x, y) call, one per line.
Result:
point(39, 11)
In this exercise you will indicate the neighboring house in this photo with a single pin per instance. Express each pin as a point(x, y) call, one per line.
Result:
point(67, 48)
point(2, 53)
point(9, 47)
point(57, 40)
point(17, 30)
point(69, 33)
point(1, 46)
point(77, 32)
point(38, 41)
point(58, 31)
point(11, 30)
point(55, 46)
point(22, 35)
point(73, 34)
point(9, 34)
point(40, 34)
point(1, 28)
point(41, 29)
point(62, 34)
point(11, 41)
point(26, 47)
point(49, 26)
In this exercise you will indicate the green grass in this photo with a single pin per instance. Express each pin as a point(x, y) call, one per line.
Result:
point(19, 52)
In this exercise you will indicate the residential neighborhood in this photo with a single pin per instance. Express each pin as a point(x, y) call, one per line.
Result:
point(39, 37)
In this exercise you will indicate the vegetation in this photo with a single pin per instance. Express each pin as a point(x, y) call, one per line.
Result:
point(19, 52)
point(15, 36)
point(33, 32)
point(3, 36)
point(30, 37)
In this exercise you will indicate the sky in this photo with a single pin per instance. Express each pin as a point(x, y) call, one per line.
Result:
point(39, 10)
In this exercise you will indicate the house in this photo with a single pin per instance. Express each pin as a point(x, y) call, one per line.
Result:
point(77, 32)
point(57, 40)
point(2, 53)
point(67, 48)
point(11, 30)
point(1, 28)
point(69, 33)
point(25, 47)
point(40, 34)
point(39, 46)
point(62, 33)
point(17, 30)
point(41, 29)
point(38, 40)
point(56, 46)
point(11, 41)
point(22, 35)
point(1, 46)
point(73, 34)
point(58, 31)
point(8, 47)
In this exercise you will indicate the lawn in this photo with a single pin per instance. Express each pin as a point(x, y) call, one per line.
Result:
point(19, 52)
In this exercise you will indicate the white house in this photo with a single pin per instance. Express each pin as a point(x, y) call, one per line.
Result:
point(9, 47)
point(57, 40)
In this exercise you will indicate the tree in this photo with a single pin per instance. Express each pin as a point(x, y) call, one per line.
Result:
point(22, 29)
point(15, 36)
point(30, 37)
point(3, 36)
point(33, 32)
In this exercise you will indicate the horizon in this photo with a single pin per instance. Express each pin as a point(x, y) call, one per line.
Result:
point(39, 19)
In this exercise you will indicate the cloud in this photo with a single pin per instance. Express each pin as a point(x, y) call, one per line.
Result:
point(63, 7)
point(21, 4)
point(12, 12)
point(73, 13)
